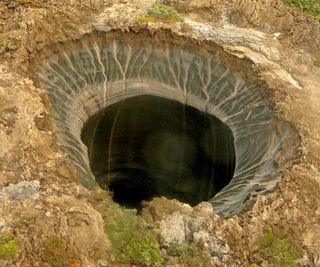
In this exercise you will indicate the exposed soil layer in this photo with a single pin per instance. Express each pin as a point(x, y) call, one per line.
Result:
point(53, 217)
point(81, 77)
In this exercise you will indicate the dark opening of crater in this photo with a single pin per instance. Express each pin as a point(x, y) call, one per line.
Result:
point(148, 146)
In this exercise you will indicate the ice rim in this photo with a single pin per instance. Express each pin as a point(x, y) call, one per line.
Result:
point(83, 77)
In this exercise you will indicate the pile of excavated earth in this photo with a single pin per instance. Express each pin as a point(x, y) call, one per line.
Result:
point(50, 217)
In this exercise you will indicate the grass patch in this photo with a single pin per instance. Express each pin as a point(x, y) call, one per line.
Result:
point(132, 239)
point(57, 254)
point(188, 255)
point(310, 6)
point(9, 246)
point(159, 12)
point(278, 248)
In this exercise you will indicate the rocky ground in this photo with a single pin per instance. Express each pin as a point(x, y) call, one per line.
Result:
point(48, 219)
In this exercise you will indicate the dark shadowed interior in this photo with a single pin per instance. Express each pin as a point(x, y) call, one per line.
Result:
point(148, 146)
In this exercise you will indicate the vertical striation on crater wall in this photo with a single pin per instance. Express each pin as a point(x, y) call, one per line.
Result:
point(147, 146)
point(86, 76)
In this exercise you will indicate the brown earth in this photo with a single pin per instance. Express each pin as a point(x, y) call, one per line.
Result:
point(281, 44)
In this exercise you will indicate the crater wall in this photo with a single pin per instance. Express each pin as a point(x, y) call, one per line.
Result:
point(84, 77)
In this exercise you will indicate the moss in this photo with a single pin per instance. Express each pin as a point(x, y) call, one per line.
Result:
point(278, 248)
point(310, 6)
point(160, 12)
point(57, 254)
point(132, 239)
point(9, 246)
point(188, 255)
point(267, 239)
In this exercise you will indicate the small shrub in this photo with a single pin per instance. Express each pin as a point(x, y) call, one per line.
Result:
point(9, 246)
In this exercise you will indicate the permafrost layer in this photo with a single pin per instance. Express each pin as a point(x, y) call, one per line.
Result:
point(87, 76)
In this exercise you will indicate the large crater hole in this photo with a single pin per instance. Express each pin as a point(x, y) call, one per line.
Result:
point(147, 146)
point(162, 116)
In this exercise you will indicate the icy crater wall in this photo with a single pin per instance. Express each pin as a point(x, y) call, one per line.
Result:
point(85, 76)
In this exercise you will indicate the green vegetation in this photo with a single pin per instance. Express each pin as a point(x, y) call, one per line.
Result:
point(57, 253)
point(188, 255)
point(9, 246)
point(132, 239)
point(310, 6)
point(279, 249)
point(160, 12)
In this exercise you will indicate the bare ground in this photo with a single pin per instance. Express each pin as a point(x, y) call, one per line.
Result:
point(283, 46)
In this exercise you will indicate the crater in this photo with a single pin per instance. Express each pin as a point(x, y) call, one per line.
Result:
point(148, 146)
point(164, 116)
